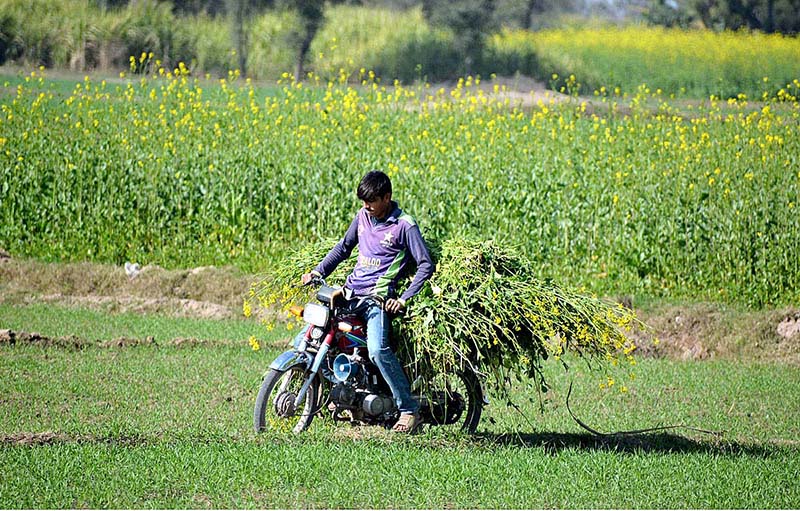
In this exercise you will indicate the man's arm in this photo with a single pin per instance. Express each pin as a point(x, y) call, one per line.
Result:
point(419, 251)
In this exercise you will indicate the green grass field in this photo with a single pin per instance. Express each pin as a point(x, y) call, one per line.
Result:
point(171, 426)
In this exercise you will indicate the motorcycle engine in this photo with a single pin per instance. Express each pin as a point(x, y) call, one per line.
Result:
point(354, 390)
point(360, 401)
point(375, 405)
point(344, 396)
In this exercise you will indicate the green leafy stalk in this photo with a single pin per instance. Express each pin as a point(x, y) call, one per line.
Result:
point(484, 309)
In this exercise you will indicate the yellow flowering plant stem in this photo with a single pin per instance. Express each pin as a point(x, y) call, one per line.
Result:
point(483, 309)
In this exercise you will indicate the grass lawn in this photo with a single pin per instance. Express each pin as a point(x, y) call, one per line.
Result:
point(171, 426)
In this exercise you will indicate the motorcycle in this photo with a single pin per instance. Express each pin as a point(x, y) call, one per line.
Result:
point(328, 371)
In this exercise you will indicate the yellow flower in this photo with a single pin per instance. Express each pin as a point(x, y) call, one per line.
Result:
point(254, 343)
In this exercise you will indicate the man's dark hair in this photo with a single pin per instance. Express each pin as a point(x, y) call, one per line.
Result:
point(374, 185)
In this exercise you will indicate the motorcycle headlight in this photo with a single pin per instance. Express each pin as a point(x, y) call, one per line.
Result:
point(316, 314)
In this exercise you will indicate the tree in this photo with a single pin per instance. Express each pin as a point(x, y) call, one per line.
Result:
point(470, 21)
point(311, 17)
point(532, 8)
point(765, 15)
point(238, 10)
point(109, 4)
point(191, 7)
point(311, 13)
point(668, 13)
point(241, 12)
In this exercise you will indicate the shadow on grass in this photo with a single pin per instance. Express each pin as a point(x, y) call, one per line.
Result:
point(661, 442)
point(549, 442)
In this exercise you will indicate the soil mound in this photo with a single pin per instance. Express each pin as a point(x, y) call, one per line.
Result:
point(51, 438)
point(206, 292)
point(790, 327)
point(12, 337)
point(703, 331)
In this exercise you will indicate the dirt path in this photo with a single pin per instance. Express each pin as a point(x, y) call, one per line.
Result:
point(14, 337)
point(694, 331)
point(519, 91)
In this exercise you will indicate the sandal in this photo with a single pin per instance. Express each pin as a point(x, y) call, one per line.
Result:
point(407, 423)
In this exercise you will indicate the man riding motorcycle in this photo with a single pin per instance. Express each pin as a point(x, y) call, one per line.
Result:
point(389, 245)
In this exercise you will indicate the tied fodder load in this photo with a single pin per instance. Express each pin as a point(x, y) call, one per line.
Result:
point(483, 308)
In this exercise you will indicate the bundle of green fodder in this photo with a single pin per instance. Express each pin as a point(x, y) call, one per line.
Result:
point(483, 308)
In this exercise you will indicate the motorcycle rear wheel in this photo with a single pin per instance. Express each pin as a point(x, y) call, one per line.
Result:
point(463, 392)
point(274, 408)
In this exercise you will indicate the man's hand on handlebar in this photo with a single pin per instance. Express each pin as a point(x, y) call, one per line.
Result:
point(391, 305)
point(307, 278)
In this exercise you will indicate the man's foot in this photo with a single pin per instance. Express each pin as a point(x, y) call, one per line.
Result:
point(407, 423)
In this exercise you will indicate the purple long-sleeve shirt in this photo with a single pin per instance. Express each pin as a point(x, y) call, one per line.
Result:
point(386, 249)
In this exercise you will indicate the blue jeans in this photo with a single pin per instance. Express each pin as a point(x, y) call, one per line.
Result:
point(381, 354)
point(379, 326)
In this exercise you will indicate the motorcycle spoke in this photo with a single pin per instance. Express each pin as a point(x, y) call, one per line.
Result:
point(275, 409)
point(453, 402)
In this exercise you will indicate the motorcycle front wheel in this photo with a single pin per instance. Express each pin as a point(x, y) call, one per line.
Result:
point(275, 408)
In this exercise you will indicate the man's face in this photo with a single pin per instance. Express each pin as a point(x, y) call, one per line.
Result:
point(380, 207)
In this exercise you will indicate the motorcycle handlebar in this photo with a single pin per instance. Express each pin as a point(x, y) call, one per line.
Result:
point(317, 280)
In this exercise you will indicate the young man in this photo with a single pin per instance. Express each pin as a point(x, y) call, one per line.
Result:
point(389, 241)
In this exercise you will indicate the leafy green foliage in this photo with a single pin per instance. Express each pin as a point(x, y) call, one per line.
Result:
point(484, 309)
point(765, 15)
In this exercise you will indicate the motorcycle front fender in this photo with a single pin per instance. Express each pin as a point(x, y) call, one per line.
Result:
point(289, 358)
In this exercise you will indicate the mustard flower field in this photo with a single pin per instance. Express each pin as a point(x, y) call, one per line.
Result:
point(682, 63)
point(612, 192)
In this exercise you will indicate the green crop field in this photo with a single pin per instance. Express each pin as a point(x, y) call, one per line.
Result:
point(637, 194)
point(169, 425)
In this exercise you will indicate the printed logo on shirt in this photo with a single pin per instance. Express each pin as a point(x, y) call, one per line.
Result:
point(388, 240)
point(370, 262)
